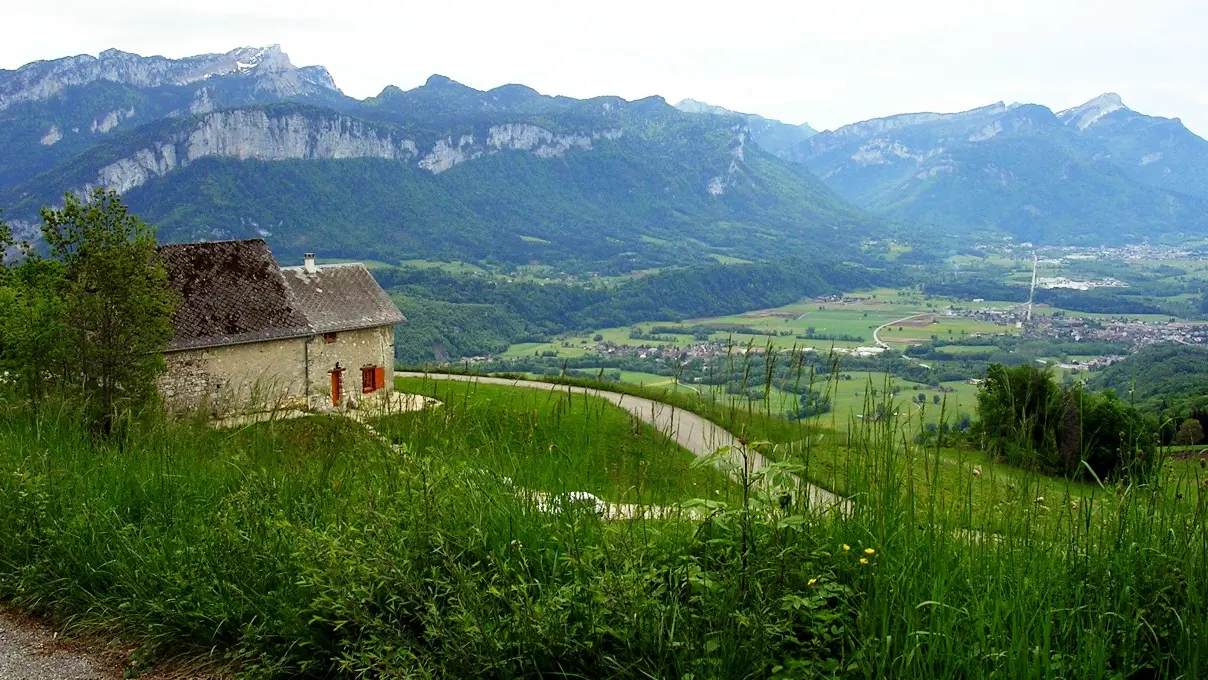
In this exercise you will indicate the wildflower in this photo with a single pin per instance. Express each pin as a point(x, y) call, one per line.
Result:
point(977, 471)
point(1040, 499)
point(812, 582)
point(1073, 505)
point(869, 551)
point(863, 560)
point(846, 548)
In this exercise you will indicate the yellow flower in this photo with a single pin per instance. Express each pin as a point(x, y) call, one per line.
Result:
point(846, 548)
point(812, 581)
point(863, 560)
point(869, 551)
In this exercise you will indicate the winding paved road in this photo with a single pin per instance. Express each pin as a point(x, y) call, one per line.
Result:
point(876, 334)
point(700, 436)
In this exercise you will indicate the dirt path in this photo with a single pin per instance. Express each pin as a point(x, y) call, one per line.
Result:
point(696, 434)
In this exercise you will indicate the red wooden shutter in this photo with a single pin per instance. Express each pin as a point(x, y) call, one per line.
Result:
point(367, 376)
point(379, 377)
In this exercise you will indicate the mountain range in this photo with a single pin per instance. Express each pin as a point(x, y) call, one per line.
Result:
point(1097, 173)
point(247, 144)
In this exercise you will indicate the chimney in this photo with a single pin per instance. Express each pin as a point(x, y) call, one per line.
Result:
point(308, 263)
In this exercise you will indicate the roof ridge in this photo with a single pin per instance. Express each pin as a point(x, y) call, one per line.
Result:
point(225, 240)
point(333, 265)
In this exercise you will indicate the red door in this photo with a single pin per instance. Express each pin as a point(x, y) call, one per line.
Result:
point(337, 384)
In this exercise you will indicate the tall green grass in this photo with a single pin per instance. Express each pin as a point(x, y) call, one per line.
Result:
point(311, 549)
point(549, 440)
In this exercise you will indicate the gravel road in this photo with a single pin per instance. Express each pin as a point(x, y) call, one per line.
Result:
point(29, 652)
point(696, 434)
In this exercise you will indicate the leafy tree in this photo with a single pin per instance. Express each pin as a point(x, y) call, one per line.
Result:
point(117, 306)
point(811, 403)
point(1017, 407)
point(33, 348)
point(1029, 420)
point(1190, 432)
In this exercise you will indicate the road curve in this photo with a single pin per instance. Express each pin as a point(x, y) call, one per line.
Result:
point(876, 334)
point(696, 434)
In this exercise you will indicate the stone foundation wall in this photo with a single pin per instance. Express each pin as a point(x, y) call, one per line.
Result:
point(255, 375)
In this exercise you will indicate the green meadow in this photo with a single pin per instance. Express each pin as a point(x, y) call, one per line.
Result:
point(313, 548)
point(554, 442)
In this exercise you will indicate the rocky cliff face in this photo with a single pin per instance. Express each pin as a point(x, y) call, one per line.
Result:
point(257, 134)
point(269, 68)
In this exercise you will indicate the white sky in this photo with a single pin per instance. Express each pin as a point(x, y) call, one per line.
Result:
point(827, 62)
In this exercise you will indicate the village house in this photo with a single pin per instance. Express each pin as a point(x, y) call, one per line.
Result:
point(249, 334)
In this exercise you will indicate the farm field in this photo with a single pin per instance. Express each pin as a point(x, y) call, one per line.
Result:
point(842, 325)
point(450, 267)
point(939, 326)
point(561, 348)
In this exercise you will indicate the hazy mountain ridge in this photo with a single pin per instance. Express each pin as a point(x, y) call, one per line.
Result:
point(1079, 176)
point(1156, 151)
point(772, 135)
point(676, 183)
point(270, 67)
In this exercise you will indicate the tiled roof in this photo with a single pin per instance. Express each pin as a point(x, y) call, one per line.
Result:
point(230, 292)
point(341, 297)
point(233, 292)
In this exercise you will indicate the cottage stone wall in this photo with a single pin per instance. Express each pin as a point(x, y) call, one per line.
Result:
point(353, 350)
point(273, 373)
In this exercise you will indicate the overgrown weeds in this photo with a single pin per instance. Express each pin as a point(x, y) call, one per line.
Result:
point(308, 549)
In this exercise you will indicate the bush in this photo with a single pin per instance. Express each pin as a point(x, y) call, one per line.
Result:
point(1191, 432)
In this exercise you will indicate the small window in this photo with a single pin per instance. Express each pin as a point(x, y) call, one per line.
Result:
point(329, 338)
point(369, 379)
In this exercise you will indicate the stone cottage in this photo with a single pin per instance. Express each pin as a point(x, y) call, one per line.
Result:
point(249, 334)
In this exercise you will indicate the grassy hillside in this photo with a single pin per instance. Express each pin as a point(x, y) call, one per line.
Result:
point(548, 441)
point(308, 549)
